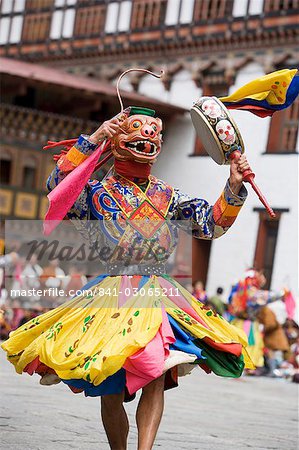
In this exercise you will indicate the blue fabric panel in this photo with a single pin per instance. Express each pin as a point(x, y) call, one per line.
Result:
point(115, 384)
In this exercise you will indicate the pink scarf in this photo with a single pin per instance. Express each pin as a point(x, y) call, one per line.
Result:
point(64, 195)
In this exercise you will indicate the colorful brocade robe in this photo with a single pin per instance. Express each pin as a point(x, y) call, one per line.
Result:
point(116, 198)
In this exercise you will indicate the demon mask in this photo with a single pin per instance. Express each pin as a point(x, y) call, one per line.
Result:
point(139, 138)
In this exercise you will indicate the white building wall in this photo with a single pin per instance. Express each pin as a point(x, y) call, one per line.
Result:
point(276, 175)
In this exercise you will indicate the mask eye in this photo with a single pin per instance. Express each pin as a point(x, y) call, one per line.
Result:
point(154, 127)
point(136, 124)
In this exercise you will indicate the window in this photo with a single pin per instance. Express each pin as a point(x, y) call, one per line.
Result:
point(118, 16)
point(5, 168)
point(179, 11)
point(240, 8)
point(65, 2)
point(255, 7)
point(29, 173)
point(11, 26)
point(284, 130)
point(280, 5)
point(27, 99)
point(148, 14)
point(266, 244)
point(10, 6)
point(63, 19)
point(38, 4)
point(36, 27)
point(212, 9)
point(90, 21)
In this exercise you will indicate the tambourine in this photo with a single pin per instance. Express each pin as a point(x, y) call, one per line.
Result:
point(221, 137)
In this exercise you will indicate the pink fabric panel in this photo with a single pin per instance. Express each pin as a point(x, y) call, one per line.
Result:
point(148, 364)
point(125, 284)
point(246, 326)
point(290, 305)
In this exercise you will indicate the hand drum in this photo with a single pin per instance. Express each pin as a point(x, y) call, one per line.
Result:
point(221, 138)
point(217, 130)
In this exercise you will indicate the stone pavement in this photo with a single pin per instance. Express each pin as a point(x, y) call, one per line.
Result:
point(205, 413)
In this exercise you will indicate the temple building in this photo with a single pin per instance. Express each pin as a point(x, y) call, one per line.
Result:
point(206, 47)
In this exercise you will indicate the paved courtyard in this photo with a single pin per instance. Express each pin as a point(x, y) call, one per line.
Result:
point(205, 413)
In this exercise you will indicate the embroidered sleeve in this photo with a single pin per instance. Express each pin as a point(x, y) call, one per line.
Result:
point(68, 162)
point(209, 222)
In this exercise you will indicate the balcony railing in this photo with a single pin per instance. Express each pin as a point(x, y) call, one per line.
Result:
point(25, 124)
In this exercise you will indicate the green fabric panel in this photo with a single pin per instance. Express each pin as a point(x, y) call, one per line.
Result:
point(251, 338)
point(144, 111)
point(221, 363)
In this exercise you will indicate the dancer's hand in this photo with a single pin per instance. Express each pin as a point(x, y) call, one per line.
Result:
point(106, 131)
point(237, 167)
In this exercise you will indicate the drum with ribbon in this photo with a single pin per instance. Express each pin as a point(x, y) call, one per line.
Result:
point(216, 128)
point(221, 138)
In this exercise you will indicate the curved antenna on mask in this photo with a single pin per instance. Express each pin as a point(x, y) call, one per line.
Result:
point(133, 70)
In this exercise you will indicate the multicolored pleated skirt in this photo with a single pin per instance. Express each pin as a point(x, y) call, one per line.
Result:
point(122, 332)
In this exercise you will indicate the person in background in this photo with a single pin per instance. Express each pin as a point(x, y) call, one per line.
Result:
point(75, 280)
point(52, 277)
point(275, 340)
point(31, 278)
point(4, 324)
point(16, 277)
point(199, 292)
point(248, 304)
point(8, 260)
point(217, 302)
point(291, 329)
point(18, 313)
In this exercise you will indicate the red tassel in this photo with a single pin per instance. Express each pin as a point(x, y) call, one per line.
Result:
point(57, 157)
point(68, 143)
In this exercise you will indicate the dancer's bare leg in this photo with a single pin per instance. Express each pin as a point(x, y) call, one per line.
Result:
point(149, 413)
point(115, 420)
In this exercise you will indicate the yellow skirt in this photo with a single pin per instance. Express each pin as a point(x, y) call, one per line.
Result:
point(124, 331)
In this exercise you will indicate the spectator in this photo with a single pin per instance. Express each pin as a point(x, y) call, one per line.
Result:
point(75, 279)
point(198, 292)
point(8, 260)
point(52, 277)
point(31, 277)
point(217, 302)
point(4, 325)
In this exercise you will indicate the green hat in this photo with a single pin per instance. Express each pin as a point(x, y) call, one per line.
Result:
point(140, 110)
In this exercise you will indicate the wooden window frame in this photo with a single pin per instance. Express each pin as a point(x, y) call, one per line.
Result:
point(36, 27)
point(90, 21)
point(262, 259)
point(212, 10)
point(147, 14)
point(273, 6)
point(283, 131)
